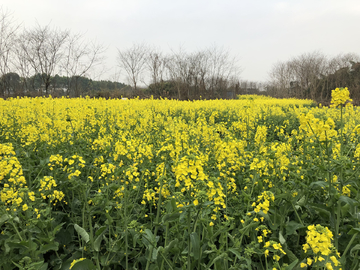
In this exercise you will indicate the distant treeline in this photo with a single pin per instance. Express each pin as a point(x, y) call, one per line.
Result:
point(12, 84)
point(213, 73)
point(43, 60)
point(314, 75)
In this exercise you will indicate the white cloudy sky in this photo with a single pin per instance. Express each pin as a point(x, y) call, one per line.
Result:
point(258, 32)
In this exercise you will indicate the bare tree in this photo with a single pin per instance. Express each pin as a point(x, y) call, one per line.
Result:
point(21, 63)
point(210, 73)
point(300, 76)
point(156, 63)
point(203, 70)
point(80, 56)
point(7, 40)
point(342, 61)
point(177, 70)
point(133, 61)
point(44, 49)
point(222, 67)
point(308, 69)
point(282, 79)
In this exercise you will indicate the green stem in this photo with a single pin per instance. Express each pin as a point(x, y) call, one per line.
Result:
point(226, 233)
point(126, 248)
point(341, 130)
point(156, 220)
point(189, 243)
point(166, 242)
point(92, 238)
point(349, 245)
point(162, 255)
point(17, 232)
point(266, 263)
point(126, 235)
point(297, 215)
point(338, 212)
point(200, 250)
point(357, 261)
point(337, 226)
point(196, 219)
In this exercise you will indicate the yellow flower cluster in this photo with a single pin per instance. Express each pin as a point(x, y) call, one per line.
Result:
point(276, 249)
point(260, 135)
point(55, 160)
point(263, 202)
point(188, 169)
point(319, 242)
point(340, 97)
point(12, 179)
point(47, 185)
point(323, 130)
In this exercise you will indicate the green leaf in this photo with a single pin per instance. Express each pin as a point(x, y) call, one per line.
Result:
point(290, 254)
point(58, 228)
point(100, 232)
point(150, 236)
point(173, 204)
point(347, 200)
point(18, 265)
point(154, 254)
point(195, 243)
point(248, 228)
point(7, 248)
point(51, 246)
point(170, 217)
point(220, 257)
point(321, 209)
point(84, 235)
point(301, 202)
point(171, 245)
point(281, 238)
point(160, 249)
point(4, 218)
point(320, 184)
point(292, 265)
point(149, 239)
point(44, 266)
point(354, 231)
point(235, 252)
point(292, 226)
point(109, 219)
point(84, 265)
point(355, 248)
point(136, 236)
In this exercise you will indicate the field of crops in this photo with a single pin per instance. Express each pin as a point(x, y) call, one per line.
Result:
point(253, 183)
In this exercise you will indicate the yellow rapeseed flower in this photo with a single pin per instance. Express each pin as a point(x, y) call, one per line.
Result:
point(340, 96)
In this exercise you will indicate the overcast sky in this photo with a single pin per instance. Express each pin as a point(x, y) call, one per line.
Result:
point(258, 32)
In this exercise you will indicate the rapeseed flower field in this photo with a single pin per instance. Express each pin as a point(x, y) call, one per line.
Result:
point(253, 183)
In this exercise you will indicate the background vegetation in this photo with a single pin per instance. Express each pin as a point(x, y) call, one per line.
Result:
point(46, 60)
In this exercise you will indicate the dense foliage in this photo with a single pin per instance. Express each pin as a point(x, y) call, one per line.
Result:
point(14, 85)
point(253, 183)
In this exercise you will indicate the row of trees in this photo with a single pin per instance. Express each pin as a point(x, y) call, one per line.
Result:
point(313, 76)
point(60, 84)
point(208, 73)
point(45, 60)
point(44, 51)
point(213, 73)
